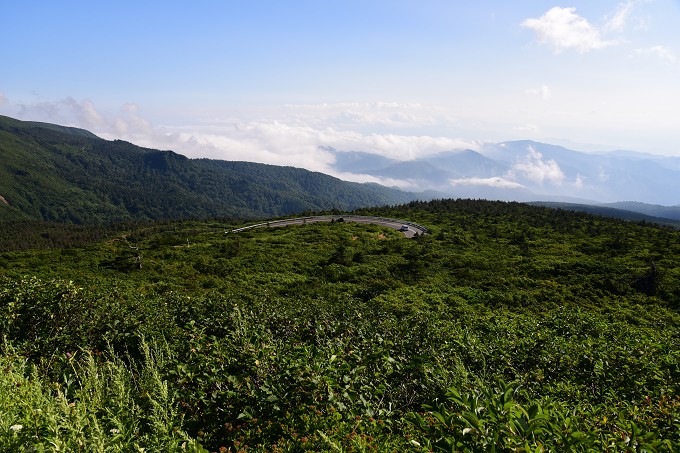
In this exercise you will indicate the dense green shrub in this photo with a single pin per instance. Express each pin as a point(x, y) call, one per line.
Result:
point(347, 337)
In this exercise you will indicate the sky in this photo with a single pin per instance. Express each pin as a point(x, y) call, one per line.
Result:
point(275, 82)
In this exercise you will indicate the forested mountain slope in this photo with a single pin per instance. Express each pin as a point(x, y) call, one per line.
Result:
point(50, 172)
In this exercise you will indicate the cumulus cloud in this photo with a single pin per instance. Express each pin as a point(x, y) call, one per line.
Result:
point(579, 181)
point(534, 168)
point(130, 121)
point(256, 141)
point(87, 114)
point(277, 142)
point(292, 134)
point(563, 29)
point(496, 182)
point(68, 111)
point(662, 52)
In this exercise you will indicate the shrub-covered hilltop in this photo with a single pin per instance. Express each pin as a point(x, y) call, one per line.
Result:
point(512, 327)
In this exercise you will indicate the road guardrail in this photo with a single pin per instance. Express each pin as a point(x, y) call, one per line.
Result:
point(331, 218)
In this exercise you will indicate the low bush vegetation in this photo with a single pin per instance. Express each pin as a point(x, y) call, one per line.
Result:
point(509, 327)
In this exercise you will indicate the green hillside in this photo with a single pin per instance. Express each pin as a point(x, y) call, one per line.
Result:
point(509, 328)
point(55, 173)
point(634, 212)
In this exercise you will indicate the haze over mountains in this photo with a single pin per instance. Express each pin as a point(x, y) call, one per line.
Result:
point(528, 171)
point(51, 172)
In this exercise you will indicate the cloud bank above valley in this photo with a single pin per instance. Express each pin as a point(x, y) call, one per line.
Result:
point(387, 143)
point(294, 135)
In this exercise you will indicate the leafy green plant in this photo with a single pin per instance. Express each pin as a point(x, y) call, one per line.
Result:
point(319, 337)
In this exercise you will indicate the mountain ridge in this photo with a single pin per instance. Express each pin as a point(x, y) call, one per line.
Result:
point(526, 170)
point(56, 173)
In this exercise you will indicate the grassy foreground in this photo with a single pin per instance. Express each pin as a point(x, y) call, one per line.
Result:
point(510, 327)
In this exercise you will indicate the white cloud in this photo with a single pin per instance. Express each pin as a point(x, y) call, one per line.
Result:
point(276, 142)
point(3, 98)
point(88, 116)
point(617, 20)
point(496, 181)
point(68, 111)
point(662, 52)
point(131, 121)
point(256, 141)
point(388, 182)
point(579, 182)
point(563, 29)
point(543, 92)
point(292, 135)
point(275, 137)
point(534, 168)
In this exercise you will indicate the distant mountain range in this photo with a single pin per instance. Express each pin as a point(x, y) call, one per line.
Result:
point(50, 172)
point(634, 212)
point(57, 173)
point(529, 171)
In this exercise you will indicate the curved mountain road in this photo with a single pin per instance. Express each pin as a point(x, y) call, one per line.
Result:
point(409, 229)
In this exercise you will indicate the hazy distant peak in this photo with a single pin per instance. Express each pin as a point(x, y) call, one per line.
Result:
point(544, 171)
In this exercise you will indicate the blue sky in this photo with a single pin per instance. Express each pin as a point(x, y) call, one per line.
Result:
point(271, 81)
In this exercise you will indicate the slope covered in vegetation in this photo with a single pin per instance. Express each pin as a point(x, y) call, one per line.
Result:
point(519, 327)
point(55, 173)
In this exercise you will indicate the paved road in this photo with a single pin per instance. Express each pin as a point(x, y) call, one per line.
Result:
point(390, 223)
